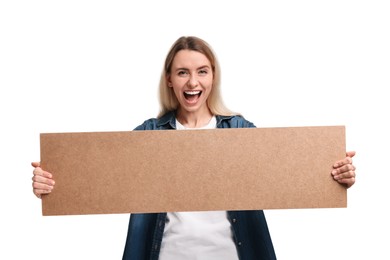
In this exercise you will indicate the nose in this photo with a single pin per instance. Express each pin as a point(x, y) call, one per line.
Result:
point(193, 81)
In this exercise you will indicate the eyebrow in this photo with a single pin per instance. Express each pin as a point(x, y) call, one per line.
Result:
point(201, 67)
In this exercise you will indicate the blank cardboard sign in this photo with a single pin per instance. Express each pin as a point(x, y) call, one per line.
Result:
point(193, 170)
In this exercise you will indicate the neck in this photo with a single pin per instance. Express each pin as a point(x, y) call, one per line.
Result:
point(194, 119)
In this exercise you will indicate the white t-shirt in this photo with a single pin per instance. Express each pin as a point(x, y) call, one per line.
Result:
point(198, 235)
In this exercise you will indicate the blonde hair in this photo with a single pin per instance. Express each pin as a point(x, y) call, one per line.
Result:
point(168, 100)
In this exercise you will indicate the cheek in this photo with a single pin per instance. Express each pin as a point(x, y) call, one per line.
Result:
point(177, 91)
point(208, 83)
point(177, 82)
point(211, 80)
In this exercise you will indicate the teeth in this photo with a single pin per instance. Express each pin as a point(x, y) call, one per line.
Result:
point(192, 92)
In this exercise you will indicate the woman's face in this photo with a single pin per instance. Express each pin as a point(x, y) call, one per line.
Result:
point(191, 79)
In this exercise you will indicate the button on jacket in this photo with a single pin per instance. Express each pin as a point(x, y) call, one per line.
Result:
point(250, 230)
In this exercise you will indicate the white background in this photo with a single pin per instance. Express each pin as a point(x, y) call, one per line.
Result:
point(95, 66)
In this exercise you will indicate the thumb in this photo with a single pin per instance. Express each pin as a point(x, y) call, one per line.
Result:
point(35, 164)
point(351, 154)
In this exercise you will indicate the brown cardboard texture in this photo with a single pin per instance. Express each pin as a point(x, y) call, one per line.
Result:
point(193, 170)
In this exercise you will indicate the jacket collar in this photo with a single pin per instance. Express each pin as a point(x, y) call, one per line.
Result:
point(170, 119)
point(222, 118)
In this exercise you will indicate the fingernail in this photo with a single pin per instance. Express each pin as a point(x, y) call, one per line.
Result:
point(334, 172)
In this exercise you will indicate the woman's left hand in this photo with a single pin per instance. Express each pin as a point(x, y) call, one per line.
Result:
point(344, 171)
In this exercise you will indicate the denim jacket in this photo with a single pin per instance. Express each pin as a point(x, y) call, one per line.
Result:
point(250, 230)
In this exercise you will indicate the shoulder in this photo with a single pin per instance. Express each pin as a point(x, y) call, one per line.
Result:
point(235, 121)
point(149, 124)
point(167, 121)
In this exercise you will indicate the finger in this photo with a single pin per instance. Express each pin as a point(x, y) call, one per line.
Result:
point(39, 192)
point(38, 171)
point(35, 164)
point(345, 161)
point(351, 154)
point(343, 169)
point(42, 186)
point(348, 182)
point(43, 180)
point(345, 175)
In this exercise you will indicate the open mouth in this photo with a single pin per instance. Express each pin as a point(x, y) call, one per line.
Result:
point(192, 96)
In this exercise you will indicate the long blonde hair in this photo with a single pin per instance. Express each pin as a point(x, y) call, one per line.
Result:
point(168, 100)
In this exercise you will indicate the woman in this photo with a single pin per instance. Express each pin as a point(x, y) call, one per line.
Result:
point(190, 99)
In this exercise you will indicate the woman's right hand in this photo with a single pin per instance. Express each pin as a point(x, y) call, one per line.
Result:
point(43, 182)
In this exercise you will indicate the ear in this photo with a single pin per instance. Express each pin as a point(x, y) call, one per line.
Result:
point(169, 83)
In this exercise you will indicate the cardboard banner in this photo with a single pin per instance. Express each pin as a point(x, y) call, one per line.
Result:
point(193, 170)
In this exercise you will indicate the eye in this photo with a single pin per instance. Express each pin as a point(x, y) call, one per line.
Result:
point(182, 72)
point(203, 71)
